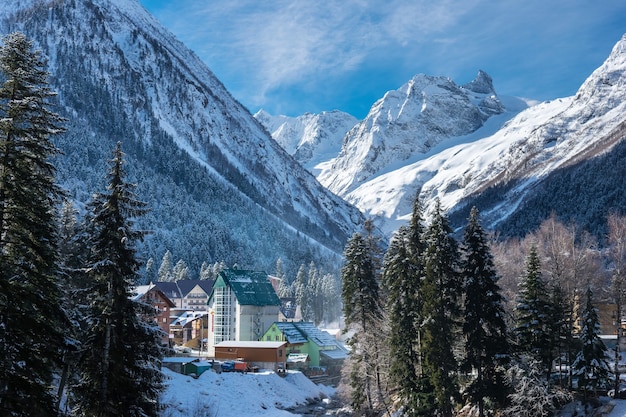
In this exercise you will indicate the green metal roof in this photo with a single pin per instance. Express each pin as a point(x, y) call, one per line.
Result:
point(252, 288)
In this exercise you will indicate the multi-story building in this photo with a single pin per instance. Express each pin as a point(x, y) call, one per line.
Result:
point(242, 306)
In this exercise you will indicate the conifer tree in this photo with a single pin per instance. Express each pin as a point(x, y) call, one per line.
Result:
point(590, 365)
point(180, 272)
point(532, 314)
point(72, 257)
point(303, 295)
point(403, 273)
point(362, 312)
point(441, 290)
point(401, 279)
point(120, 366)
point(484, 327)
point(31, 318)
point(166, 273)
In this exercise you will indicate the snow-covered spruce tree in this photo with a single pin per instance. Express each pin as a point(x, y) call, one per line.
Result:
point(401, 280)
point(532, 313)
point(403, 272)
point(332, 298)
point(532, 395)
point(303, 294)
point(119, 371)
point(441, 290)
point(590, 365)
point(72, 257)
point(362, 312)
point(31, 317)
point(165, 273)
point(484, 328)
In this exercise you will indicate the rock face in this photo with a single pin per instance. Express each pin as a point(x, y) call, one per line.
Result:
point(510, 170)
point(465, 145)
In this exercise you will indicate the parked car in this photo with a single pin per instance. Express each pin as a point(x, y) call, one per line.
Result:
point(235, 366)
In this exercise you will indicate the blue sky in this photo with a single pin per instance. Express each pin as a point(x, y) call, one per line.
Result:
point(295, 56)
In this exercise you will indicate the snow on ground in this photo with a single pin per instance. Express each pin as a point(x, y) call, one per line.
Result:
point(233, 394)
point(619, 410)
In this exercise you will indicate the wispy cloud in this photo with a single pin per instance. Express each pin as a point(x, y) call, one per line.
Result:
point(287, 42)
point(293, 50)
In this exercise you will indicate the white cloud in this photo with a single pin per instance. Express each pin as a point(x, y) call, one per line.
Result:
point(288, 42)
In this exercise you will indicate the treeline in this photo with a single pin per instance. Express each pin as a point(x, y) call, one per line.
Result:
point(442, 328)
point(316, 293)
point(73, 340)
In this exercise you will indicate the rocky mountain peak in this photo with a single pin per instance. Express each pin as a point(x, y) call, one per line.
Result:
point(409, 122)
point(482, 84)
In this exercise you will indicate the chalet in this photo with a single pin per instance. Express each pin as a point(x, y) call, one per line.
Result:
point(303, 338)
point(152, 295)
point(242, 305)
point(188, 294)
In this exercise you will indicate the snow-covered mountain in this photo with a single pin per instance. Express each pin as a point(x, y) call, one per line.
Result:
point(219, 187)
point(466, 146)
point(407, 122)
point(311, 138)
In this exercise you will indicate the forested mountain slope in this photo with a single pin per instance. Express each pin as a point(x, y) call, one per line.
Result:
point(219, 188)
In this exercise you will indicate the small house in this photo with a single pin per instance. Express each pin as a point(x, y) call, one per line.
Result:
point(152, 295)
point(190, 328)
point(187, 294)
point(267, 355)
point(323, 350)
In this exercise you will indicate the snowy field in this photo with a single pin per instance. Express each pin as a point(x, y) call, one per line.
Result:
point(266, 394)
point(233, 394)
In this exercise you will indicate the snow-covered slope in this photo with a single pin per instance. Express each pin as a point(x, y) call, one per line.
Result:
point(233, 394)
point(219, 187)
point(312, 139)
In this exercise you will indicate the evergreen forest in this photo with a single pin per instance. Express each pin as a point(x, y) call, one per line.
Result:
point(480, 326)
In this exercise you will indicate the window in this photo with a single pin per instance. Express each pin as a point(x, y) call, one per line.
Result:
point(280, 353)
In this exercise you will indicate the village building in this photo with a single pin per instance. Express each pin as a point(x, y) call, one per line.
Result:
point(307, 346)
point(153, 296)
point(190, 329)
point(187, 294)
point(242, 306)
